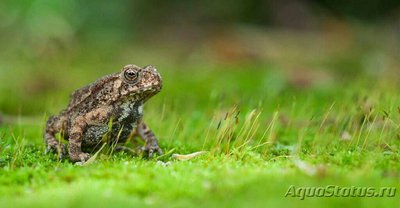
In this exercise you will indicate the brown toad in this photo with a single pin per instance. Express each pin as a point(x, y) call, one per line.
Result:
point(115, 99)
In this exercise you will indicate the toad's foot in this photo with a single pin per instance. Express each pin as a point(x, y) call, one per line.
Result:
point(80, 157)
point(151, 149)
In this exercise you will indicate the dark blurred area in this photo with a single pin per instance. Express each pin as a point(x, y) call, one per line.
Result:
point(46, 26)
point(48, 46)
point(61, 23)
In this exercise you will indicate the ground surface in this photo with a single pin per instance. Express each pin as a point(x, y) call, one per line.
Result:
point(303, 117)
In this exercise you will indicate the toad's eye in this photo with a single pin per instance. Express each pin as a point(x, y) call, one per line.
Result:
point(131, 75)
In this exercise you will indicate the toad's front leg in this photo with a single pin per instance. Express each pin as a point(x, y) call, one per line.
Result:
point(150, 139)
point(75, 140)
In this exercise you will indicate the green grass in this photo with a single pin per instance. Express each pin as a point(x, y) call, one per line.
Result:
point(263, 131)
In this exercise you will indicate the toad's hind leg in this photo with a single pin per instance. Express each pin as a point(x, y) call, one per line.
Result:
point(78, 128)
point(75, 141)
point(54, 125)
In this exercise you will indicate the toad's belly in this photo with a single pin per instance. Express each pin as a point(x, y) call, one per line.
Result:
point(95, 135)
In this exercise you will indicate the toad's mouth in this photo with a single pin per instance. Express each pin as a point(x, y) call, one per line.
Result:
point(150, 89)
point(144, 93)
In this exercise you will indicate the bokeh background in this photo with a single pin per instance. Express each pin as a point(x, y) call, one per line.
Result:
point(279, 93)
point(50, 48)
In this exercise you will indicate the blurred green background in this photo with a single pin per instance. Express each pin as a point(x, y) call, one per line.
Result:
point(48, 47)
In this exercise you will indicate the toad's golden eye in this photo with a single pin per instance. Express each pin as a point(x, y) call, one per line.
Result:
point(131, 75)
